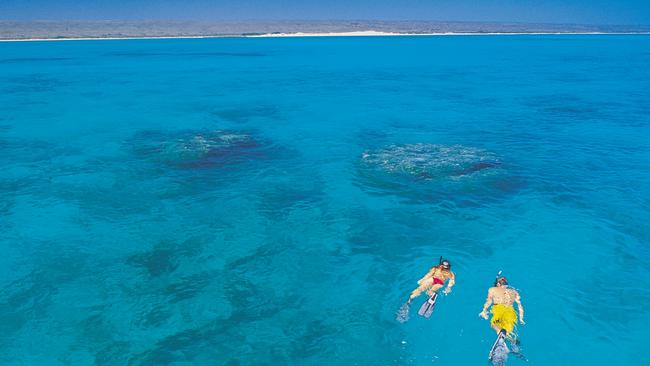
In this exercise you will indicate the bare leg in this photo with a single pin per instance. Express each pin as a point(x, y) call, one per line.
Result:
point(417, 292)
point(433, 289)
point(424, 287)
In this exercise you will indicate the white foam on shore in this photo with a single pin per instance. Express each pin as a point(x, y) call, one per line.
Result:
point(369, 33)
point(383, 34)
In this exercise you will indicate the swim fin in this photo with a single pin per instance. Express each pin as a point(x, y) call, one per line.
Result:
point(501, 338)
point(427, 308)
point(515, 348)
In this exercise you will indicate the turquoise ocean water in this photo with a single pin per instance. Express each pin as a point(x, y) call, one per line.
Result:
point(274, 201)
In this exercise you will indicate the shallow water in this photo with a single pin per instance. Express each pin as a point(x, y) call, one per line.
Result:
point(274, 201)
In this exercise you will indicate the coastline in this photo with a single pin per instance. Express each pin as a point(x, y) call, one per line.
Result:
point(330, 34)
point(398, 34)
point(109, 38)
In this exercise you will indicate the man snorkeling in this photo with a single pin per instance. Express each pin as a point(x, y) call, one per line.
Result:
point(433, 281)
point(504, 317)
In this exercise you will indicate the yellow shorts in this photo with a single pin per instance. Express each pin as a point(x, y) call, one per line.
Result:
point(504, 317)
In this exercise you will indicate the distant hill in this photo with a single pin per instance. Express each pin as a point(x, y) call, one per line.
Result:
point(127, 29)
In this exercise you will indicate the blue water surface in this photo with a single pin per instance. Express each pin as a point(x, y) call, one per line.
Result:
point(274, 201)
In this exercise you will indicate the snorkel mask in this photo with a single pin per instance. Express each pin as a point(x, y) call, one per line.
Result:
point(445, 264)
point(501, 280)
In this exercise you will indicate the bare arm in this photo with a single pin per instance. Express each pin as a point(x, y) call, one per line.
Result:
point(520, 307)
point(451, 283)
point(452, 280)
point(488, 302)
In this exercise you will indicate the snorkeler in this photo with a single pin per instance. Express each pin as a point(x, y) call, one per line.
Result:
point(501, 297)
point(433, 281)
point(504, 317)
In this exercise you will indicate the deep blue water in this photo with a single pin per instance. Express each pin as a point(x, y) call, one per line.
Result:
point(274, 201)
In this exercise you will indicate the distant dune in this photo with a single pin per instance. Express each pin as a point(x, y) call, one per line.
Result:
point(20, 30)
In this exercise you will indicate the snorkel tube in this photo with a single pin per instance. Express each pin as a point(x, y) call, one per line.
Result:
point(496, 279)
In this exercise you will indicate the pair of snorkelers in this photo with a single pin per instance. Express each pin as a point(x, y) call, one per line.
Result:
point(501, 297)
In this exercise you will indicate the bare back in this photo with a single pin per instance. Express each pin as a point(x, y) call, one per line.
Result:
point(503, 295)
point(440, 273)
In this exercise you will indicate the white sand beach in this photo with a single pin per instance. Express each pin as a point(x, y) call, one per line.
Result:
point(382, 34)
point(369, 33)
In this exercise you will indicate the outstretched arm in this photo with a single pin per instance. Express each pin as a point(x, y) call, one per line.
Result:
point(488, 302)
point(451, 283)
point(520, 308)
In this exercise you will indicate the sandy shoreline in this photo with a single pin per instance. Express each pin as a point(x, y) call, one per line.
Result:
point(336, 34)
point(375, 33)
point(109, 38)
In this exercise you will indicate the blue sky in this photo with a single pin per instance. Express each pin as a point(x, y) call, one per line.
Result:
point(548, 11)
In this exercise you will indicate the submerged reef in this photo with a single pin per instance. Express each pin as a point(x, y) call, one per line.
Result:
point(430, 161)
point(197, 149)
point(433, 172)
